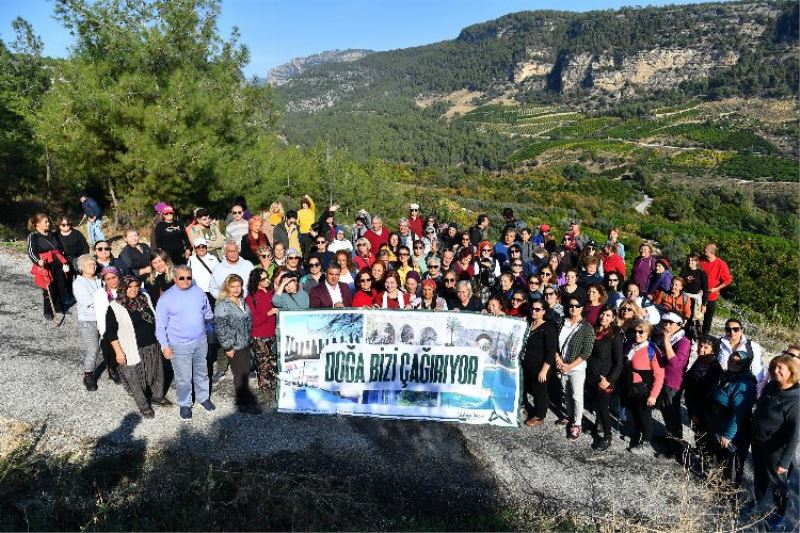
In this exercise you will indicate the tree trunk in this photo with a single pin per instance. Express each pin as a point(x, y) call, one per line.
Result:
point(48, 173)
point(115, 206)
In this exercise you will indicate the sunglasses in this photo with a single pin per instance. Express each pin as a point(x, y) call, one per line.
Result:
point(641, 332)
point(466, 239)
point(237, 212)
point(362, 244)
point(517, 265)
point(574, 306)
point(433, 266)
point(548, 274)
point(322, 242)
point(263, 278)
point(537, 309)
point(626, 310)
point(450, 280)
point(613, 280)
point(103, 249)
point(294, 258)
point(65, 225)
point(414, 210)
point(265, 256)
point(534, 282)
point(184, 278)
point(790, 354)
point(365, 280)
point(518, 300)
point(485, 250)
point(312, 265)
point(734, 328)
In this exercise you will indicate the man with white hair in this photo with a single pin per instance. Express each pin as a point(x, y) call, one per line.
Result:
point(231, 264)
point(377, 234)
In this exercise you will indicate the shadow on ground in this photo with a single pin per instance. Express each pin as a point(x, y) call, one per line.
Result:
point(421, 479)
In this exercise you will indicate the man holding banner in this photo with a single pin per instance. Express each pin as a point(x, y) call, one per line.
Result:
point(332, 294)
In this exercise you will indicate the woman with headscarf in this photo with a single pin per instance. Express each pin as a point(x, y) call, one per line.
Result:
point(131, 330)
point(107, 293)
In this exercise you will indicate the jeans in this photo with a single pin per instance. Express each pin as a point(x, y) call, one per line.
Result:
point(90, 337)
point(94, 229)
point(573, 382)
point(189, 366)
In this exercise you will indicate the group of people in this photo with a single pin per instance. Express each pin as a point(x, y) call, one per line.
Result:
point(201, 298)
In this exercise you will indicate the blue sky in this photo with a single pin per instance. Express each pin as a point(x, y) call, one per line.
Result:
point(278, 30)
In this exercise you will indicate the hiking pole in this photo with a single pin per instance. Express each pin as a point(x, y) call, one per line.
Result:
point(52, 306)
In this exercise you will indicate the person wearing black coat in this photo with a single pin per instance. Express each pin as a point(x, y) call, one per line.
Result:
point(700, 380)
point(540, 358)
point(603, 371)
point(170, 236)
point(776, 433)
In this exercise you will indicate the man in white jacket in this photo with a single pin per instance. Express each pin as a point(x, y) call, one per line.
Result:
point(203, 264)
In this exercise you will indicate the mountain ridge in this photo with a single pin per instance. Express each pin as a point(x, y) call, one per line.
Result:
point(281, 74)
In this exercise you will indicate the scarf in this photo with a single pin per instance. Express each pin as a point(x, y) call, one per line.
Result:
point(635, 348)
point(255, 244)
point(139, 304)
point(400, 300)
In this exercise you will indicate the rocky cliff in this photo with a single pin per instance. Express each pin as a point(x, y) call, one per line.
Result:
point(283, 73)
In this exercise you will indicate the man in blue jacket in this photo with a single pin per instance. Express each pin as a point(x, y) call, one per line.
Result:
point(94, 216)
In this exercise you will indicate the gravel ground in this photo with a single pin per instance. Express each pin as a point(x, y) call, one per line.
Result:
point(483, 467)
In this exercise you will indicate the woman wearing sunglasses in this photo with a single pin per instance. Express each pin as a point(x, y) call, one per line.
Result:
point(262, 334)
point(735, 340)
point(644, 378)
point(575, 342)
point(540, 353)
point(104, 258)
point(602, 373)
point(364, 293)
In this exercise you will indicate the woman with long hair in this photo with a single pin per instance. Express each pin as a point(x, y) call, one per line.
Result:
point(364, 294)
point(596, 300)
point(234, 321)
point(378, 271)
point(347, 267)
point(392, 297)
point(575, 342)
point(540, 351)
point(131, 331)
point(404, 263)
point(160, 278)
point(262, 334)
point(602, 373)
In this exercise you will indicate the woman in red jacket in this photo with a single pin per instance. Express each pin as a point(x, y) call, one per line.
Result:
point(364, 293)
point(262, 333)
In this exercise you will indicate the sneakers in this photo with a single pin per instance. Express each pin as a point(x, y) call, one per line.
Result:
point(602, 444)
point(574, 432)
point(643, 448)
point(161, 402)
point(186, 413)
point(218, 376)
point(534, 422)
point(147, 412)
point(208, 406)
point(89, 381)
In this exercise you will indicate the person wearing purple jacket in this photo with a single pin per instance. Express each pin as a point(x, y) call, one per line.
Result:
point(643, 267)
point(676, 349)
point(183, 318)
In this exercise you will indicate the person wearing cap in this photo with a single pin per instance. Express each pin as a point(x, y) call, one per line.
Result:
point(675, 349)
point(294, 262)
point(231, 264)
point(203, 265)
point(728, 416)
point(332, 294)
point(735, 340)
point(719, 277)
point(94, 218)
point(660, 278)
point(415, 221)
point(170, 236)
point(206, 228)
point(541, 238)
point(288, 294)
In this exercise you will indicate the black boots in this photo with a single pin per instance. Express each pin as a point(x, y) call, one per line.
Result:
point(89, 381)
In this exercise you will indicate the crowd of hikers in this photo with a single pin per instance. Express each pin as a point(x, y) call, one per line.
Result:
point(201, 299)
